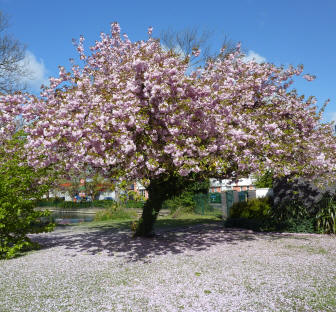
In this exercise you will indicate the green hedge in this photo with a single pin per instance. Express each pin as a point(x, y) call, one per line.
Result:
point(51, 202)
point(133, 204)
point(86, 204)
point(59, 203)
point(259, 215)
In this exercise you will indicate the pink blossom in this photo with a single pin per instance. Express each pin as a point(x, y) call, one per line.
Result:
point(196, 52)
point(309, 77)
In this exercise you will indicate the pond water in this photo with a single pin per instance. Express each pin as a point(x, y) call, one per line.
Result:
point(70, 217)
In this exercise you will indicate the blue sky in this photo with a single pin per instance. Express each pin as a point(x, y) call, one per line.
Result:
point(282, 32)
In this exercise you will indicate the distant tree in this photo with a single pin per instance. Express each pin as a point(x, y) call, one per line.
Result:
point(12, 65)
point(97, 184)
point(94, 183)
point(68, 186)
point(265, 180)
point(194, 43)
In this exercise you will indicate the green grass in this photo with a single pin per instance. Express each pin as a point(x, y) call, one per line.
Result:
point(323, 300)
point(327, 302)
point(185, 220)
point(313, 250)
point(116, 214)
point(163, 222)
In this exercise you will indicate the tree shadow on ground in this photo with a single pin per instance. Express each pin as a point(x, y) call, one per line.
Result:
point(118, 241)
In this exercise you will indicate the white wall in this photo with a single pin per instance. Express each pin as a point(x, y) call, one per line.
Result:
point(107, 194)
point(262, 192)
point(59, 194)
point(228, 184)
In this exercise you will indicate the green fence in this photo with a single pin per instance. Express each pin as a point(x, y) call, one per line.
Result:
point(212, 203)
point(229, 201)
point(242, 196)
point(215, 198)
point(208, 204)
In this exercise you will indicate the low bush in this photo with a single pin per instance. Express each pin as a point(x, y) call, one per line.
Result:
point(114, 213)
point(260, 215)
point(304, 225)
point(186, 202)
point(180, 204)
point(253, 214)
point(326, 216)
point(258, 208)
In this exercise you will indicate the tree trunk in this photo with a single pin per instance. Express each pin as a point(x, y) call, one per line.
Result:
point(151, 209)
point(159, 190)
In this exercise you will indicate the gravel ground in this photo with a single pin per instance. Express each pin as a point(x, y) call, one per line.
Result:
point(201, 268)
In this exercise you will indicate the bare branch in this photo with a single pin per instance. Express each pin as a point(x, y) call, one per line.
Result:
point(190, 39)
point(12, 55)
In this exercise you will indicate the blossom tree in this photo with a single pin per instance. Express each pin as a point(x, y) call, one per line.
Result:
point(136, 111)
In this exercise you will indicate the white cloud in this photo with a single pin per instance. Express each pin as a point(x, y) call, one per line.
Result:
point(253, 56)
point(329, 117)
point(37, 72)
point(333, 116)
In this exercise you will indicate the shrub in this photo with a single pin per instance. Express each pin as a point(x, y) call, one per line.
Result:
point(186, 201)
point(20, 187)
point(296, 198)
point(114, 213)
point(300, 206)
point(326, 216)
point(265, 180)
point(295, 225)
point(258, 208)
point(253, 214)
point(289, 211)
point(182, 203)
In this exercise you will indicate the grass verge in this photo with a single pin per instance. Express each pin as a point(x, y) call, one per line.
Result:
point(163, 222)
point(185, 220)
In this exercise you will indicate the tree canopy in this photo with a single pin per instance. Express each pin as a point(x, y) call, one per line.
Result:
point(134, 110)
